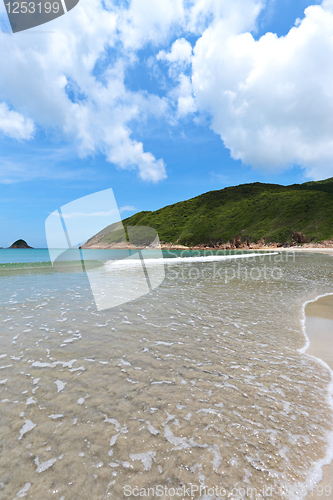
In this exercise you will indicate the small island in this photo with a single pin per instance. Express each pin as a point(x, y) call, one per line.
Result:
point(20, 244)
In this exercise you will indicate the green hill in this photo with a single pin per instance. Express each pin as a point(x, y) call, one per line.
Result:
point(247, 212)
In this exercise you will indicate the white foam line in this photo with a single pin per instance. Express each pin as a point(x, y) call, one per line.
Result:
point(307, 340)
point(128, 262)
point(316, 474)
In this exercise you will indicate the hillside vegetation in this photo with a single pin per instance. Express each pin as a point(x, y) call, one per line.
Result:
point(250, 212)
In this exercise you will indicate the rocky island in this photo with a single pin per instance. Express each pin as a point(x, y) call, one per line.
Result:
point(20, 244)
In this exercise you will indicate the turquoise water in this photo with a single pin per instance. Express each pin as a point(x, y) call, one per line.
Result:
point(16, 255)
point(29, 260)
point(40, 257)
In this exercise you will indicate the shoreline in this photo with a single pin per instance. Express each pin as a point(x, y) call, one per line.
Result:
point(306, 247)
point(318, 331)
point(270, 246)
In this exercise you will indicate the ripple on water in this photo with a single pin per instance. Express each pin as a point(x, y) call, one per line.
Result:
point(199, 382)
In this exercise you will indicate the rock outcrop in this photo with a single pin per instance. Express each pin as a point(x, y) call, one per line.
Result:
point(299, 238)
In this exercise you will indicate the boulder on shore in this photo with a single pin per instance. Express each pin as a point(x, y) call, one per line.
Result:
point(20, 244)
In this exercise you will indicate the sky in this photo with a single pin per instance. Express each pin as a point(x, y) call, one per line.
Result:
point(161, 100)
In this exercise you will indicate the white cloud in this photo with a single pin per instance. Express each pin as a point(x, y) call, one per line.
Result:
point(237, 16)
point(150, 21)
point(39, 74)
point(52, 78)
point(185, 100)
point(127, 208)
point(271, 100)
point(76, 215)
point(14, 125)
point(181, 53)
point(179, 59)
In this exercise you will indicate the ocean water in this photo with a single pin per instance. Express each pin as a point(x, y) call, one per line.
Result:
point(11, 258)
point(200, 384)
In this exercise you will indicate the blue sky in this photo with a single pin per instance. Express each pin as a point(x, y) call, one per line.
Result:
point(161, 101)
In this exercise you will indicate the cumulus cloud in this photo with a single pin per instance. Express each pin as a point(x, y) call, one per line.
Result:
point(54, 78)
point(271, 100)
point(180, 54)
point(72, 81)
point(14, 125)
point(186, 102)
point(150, 21)
point(179, 59)
point(237, 15)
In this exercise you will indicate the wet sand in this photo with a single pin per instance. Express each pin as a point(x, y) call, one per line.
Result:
point(319, 329)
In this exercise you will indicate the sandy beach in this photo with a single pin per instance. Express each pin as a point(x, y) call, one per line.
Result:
point(325, 250)
point(300, 249)
point(319, 329)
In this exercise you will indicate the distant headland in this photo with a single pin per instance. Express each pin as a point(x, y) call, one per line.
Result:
point(20, 244)
point(248, 216)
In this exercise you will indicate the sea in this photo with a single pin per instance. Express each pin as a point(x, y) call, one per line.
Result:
point(198, 387)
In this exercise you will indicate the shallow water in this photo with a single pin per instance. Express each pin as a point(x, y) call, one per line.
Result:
point(198, 382)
